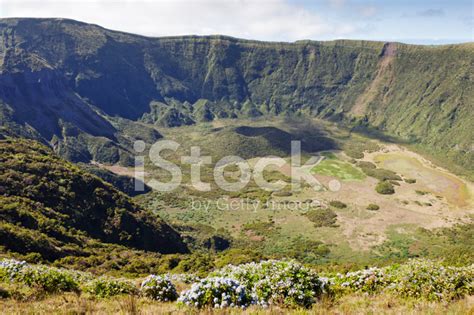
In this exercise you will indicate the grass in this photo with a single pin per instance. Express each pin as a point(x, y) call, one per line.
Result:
point(352, 304)
point(336, 168)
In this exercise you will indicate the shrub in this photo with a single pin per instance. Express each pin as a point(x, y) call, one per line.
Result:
point(10, 269)
point(158, 288)
point(216, 292)
point(370, 280)
point(278, 282)
point(432, 281)
point(105, 287)
point(381, 174)
point(366, 165)
point(385, 188)
point(49, 279)
point(373, 207)
point(4, 293)
point(410, 180)
point(322, 217)
point(421, 192)
point(337, 204)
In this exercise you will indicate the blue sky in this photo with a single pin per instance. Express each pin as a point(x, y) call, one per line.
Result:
point(422, 21)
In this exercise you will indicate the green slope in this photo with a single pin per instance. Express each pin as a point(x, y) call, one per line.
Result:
point(54, 208)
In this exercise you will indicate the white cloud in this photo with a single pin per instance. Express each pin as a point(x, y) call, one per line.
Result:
point(265, 19)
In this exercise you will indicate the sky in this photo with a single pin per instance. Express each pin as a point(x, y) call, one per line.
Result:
point(415, 21)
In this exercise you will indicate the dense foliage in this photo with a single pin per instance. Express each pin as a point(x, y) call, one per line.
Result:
point(216, 292)
point(268, 283)
point(159, 288)
point(277, 282)
point(51, 207)
point(104, 287)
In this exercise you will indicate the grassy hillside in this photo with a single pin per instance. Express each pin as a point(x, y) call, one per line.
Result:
point(419, 94)
point(53, 208)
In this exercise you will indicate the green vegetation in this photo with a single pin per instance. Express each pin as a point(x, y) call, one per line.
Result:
point(105, 287)
point(380, 174)
point(53, 208)
point(337, 204)
point(282, 283)
point(337, 168)
point(385, 188)
point(373, 207)
point(322, 217)
point(421, 192)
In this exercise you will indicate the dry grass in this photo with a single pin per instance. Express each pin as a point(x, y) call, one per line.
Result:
point(355, 304)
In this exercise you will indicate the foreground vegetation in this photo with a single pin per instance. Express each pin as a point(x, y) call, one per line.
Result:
point(274, 284)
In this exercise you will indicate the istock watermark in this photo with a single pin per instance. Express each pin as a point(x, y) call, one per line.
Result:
point(298, 173)
point(252, 205)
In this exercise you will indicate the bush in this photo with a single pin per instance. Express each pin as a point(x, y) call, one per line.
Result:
point(373, 207)
point(370, 280)
point(432, 281)
point(366, 165)
point(337, 204)
point(410, 180)
point(322, 217)
point(216, 292)
point(385, 188)
point(284, 283)
point(4, 293)
point(49, 279)
point(418, 279)
point(158, 288)
point(105, 287)
point(10, 269)
point(381, 174)
point(421, 192)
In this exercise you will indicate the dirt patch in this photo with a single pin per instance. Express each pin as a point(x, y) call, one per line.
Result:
point(384, 73)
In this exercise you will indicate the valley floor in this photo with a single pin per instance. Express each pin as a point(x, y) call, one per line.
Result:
point(352, 304)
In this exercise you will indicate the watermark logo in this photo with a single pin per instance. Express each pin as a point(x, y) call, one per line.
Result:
point(298, 173)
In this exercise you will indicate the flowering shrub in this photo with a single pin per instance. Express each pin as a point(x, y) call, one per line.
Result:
point(430, 280)
point(420, 279)
point(370, 280)
point(159, 288)
point(49, 279)
point(105, 287)
point(10, 269)
point(216, 292)
point(278, 282)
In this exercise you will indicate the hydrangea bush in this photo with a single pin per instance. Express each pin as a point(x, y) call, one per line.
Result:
point(48, 279)
point(371, 280)
point(284, 283)
point(10, 269)
point(278, 282)
point(105, 287)
point(419, 279)
point(159, 288)
point(216, 292)
point(432, 281)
